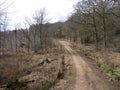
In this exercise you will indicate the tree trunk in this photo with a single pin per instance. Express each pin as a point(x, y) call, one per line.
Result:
point(104, 29)
point(95, 28)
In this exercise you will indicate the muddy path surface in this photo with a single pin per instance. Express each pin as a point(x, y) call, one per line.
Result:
point(86, 79)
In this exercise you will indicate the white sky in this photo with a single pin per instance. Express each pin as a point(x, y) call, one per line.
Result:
point(57, 10)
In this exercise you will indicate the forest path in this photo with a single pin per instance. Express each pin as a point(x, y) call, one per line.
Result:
point(86, 79)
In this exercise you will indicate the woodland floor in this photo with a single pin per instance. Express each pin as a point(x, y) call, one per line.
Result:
point(36, 71)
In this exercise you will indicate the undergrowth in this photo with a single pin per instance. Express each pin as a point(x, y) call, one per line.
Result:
point(113, 72)
point(49, 85)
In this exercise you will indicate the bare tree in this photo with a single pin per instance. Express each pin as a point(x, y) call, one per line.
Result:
point(4, 33)
point(3, 23)
point(40, 18)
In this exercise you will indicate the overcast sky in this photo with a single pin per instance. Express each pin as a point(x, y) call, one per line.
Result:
point(57, 10)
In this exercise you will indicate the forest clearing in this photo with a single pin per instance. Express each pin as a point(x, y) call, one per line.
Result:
point(81, 52)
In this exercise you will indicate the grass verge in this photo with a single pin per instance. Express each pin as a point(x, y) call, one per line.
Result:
point(112, 71)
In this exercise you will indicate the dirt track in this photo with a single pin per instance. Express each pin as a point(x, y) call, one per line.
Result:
point(86, 79)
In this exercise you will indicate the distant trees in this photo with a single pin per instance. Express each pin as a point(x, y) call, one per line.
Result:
point(93, 21)
point(3, 26)
point(96, 21)
point(35, 38)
